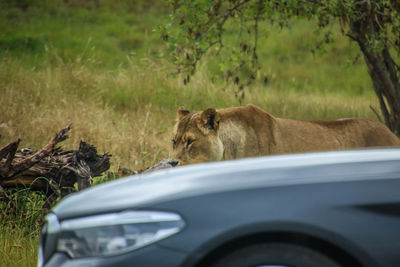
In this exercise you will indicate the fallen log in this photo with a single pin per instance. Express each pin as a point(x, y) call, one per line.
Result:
point(50, 170)
point(163, 164)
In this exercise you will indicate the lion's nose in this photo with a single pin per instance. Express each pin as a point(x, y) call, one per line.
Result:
point(173, 163)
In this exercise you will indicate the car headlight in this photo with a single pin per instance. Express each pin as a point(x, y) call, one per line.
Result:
point(115, 233)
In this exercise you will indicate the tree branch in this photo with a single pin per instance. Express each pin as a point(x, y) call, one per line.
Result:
point(30, 161)
point(9, 150)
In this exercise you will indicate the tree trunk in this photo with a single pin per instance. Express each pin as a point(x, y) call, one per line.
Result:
point(382, 69)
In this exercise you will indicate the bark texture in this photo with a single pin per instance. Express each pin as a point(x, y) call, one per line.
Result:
point(50, 170)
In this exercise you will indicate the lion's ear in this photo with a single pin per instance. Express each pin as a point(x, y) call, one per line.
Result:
point(209, 119)
point(182, 112)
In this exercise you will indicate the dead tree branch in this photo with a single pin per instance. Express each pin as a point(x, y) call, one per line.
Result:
point(50, 170)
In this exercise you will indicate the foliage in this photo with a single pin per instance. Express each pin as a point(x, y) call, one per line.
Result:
point(199, 27)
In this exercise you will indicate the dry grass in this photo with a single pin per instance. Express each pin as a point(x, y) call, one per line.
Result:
point(130, 112)
point(35, 105)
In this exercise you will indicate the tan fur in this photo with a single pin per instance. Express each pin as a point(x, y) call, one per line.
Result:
point(249, 131)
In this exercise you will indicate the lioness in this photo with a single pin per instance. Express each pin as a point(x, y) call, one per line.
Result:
point(238, 132)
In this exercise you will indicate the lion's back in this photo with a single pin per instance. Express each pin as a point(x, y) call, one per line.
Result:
point(359, 132)
point(378, 134)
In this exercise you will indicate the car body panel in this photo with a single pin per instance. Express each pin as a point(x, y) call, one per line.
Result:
point(350, 199)
point(222, 176)
point(345, 224)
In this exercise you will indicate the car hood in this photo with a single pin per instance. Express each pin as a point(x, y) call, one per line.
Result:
point(143, 190)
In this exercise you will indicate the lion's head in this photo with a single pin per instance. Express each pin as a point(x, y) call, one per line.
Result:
point(196, 137)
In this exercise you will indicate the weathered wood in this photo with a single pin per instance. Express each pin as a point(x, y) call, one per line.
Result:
point(163, 164)
point(50, 170)
point(9, 150)
point(27, 162)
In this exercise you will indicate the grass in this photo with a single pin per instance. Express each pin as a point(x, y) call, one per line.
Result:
point(20, 226)
point(130, 111)
point(103, 68)
point(17, 248)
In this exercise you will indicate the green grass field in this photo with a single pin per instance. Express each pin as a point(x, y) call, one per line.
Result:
point(101, 66)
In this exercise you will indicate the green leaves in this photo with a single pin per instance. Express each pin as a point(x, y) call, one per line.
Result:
point(205, 27)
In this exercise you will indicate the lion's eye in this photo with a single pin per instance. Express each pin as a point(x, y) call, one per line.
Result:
point(173, 143)
point(189, 142)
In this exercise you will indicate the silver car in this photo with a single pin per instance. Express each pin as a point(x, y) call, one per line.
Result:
point(318, 209)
